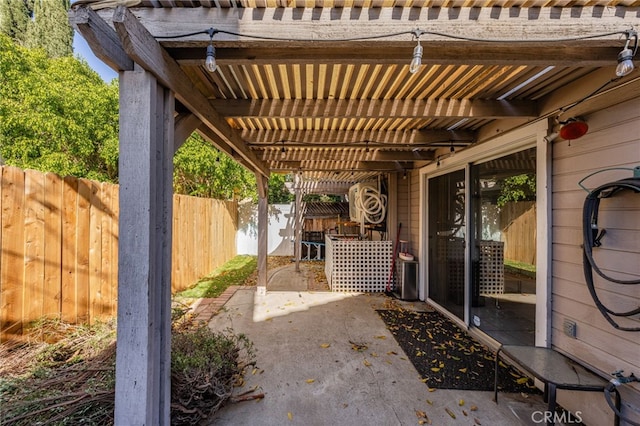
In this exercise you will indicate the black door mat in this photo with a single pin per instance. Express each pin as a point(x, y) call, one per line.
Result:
point(446, 357)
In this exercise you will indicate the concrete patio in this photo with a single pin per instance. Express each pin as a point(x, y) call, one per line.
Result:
point(311, 374)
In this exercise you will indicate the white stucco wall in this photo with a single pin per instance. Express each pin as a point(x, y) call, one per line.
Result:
point(280, 229)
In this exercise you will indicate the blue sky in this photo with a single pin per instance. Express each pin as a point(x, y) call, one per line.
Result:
point(81, 49)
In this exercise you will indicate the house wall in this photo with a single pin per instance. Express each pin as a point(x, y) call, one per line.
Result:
point(403, 207)
point(613, 140)
point(408, 198)
point(413, 231)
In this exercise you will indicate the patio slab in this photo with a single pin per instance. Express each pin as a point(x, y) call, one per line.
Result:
point(311, 372)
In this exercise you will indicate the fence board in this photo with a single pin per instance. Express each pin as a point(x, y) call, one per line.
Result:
point(82, 249)
point(69, 230)
point(59, 239)
point(33, 245)
point(115, 208)
point(52, 303)
point(105, 250)
point(12, 252)
point(95, 252)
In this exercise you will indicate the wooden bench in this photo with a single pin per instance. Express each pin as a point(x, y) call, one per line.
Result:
point(555, 370)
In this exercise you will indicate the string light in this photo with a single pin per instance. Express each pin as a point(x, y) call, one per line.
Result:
point(625, 62)
point(283, 151)
point(416, 62)
point(210, 61)
point(452, 150)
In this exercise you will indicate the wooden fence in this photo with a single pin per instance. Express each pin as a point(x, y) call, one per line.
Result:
point(59, 240)
point(519, 234)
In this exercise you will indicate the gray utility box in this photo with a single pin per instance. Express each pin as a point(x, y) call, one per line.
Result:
point(406, 279)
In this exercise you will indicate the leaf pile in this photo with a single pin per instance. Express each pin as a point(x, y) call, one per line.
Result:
point(446, 356)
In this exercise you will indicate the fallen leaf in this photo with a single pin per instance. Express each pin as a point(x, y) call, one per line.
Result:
point(255, 370)
point(432, 389)
point(381, 337)
point(464, 412)
point(450, 413)
point(429, 402)
point(366, 363)
point(522, 380)
point(473, 408)
point(289, 415)
point(422, 414)
point(476, 421)
point(461, 402)
point(311, 380)
point(358, 346)
point(463, 370)
point(392, 353)
point(325, 345)
point(435, 369)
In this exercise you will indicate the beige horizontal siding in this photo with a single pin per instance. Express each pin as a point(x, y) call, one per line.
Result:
point(613, 141)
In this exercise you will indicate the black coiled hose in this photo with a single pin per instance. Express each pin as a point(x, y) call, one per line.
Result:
point(592, 238)
point(612, 387)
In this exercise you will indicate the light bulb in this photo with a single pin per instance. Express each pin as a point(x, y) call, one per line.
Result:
point(625, 64)
point(416, 62)
point(210, 63)
point(283, 153)
point(452, 151)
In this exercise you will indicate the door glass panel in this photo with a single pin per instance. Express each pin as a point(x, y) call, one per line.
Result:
point(447, 241)
point(503, 250)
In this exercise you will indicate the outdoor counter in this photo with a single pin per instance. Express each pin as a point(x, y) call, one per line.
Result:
point(353, 265)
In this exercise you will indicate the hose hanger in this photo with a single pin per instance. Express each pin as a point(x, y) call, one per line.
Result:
point(593, 238)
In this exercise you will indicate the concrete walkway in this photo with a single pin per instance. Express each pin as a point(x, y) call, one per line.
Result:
point(312, 373)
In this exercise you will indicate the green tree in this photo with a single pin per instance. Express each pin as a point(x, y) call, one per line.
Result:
point(56, 115)
point(278, 192)
point(203, 171)
point(49, 29)
point(517, 188)
point(14, 18)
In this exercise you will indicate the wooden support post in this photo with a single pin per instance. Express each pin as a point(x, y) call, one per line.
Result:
point(143, 354)
point(297, 224)
point(263, 224)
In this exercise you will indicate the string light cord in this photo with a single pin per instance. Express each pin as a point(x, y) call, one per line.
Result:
point(589, 96)
point(416, 33)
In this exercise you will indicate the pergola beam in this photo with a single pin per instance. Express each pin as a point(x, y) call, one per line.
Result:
point(354, 108)
point(362, 166)
point(526, 35)
point(340, 138)
point(102, 39)
point(320, 154)
point(142, 47)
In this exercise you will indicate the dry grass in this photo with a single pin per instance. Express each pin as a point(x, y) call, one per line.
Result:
point(65, 374)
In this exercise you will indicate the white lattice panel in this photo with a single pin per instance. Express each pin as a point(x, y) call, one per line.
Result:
point(358, 266)
point(492, 267)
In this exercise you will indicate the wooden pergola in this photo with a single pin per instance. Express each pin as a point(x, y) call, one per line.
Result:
point(321, 89)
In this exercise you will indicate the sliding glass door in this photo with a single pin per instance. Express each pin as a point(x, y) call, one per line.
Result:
point(503, 247)
point(447, 233)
